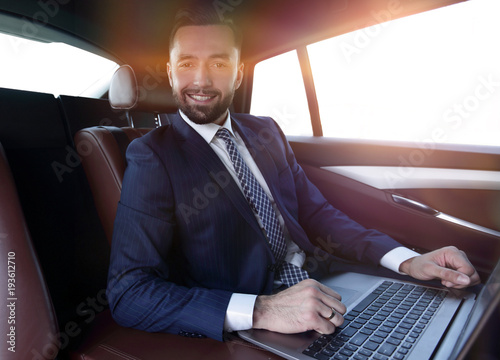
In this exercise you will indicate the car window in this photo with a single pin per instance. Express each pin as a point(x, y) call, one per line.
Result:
point(278, 91)
point(55, 68)
point(429, 78)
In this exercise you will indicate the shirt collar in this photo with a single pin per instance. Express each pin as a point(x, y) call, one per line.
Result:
point(208, 131)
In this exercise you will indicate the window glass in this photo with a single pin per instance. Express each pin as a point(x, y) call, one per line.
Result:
point(54, 68)
point(278, 91)
point(431, 77)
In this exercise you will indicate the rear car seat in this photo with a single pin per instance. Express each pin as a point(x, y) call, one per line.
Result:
point(102, 152)
point(81, 113)
point(102, 148)
point(26, 312)
point(64, 227)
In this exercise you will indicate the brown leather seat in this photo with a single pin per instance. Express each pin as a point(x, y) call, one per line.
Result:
point(27, 316)
point(108, 341)
point(102, 151)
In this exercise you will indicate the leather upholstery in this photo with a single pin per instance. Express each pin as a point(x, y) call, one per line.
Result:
point(28, 319)
point(82, 113)
point(109, 341)
point(104, 165)
point(149, 91)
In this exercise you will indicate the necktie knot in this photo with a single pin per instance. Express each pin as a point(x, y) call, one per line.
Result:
point(224, 134)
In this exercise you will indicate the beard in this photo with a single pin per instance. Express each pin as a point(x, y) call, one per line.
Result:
point(203, 114)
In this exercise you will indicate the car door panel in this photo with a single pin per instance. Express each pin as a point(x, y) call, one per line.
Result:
point(444, 190)
point(451, 197)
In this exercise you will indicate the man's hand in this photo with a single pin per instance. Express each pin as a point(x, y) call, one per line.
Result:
point(448, 264)
point(304, 306)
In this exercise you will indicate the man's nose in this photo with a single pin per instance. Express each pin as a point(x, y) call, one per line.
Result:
point(202, 77)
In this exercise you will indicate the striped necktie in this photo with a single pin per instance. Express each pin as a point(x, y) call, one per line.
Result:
point(289, 274)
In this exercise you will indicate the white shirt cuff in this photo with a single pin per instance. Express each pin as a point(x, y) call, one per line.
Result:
point(394, 258)
point(239, 313)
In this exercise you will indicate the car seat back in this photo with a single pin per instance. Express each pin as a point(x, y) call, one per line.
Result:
point(26, 313)
point(102, 149)
point(102, 152)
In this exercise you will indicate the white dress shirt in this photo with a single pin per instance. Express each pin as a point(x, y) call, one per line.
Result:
point(239, 314)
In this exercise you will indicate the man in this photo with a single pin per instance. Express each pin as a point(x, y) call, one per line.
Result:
point(194, 252)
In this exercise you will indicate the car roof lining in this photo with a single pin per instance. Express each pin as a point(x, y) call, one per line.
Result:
point(18, 26)
point(270, 27)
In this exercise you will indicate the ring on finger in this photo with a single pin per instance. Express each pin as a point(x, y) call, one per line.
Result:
point(332, 315)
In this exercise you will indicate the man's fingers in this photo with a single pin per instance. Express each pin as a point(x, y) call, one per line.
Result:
point(449, 278)
point(330, 307)
point(326, 295)
point(474, 279)
point(337, 318)
point(448, 264)
point(463, 265)
point(307, 305)
point(328, 313)
point(334, 311)
point(329, 291)
point(333, 300)
point(332, 319)
point(335, 304)
point(325, 327)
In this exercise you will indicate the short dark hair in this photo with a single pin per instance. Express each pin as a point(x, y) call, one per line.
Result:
point(202, 15)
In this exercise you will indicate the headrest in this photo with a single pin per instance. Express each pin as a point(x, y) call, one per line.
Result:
point(149, 92)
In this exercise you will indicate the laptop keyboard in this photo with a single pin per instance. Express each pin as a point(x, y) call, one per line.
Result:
point(384, 325)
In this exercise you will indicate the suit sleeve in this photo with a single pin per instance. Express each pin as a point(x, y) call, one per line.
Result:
point(140, 291)
point(329, 228)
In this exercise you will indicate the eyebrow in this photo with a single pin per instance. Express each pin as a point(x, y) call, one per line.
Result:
point(214, 56)
point(221, 56)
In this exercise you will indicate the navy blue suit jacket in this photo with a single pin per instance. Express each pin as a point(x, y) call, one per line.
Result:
point(185, 237)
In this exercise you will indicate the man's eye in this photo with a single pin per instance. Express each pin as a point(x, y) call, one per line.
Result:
point(219, 65)
point(185, 65)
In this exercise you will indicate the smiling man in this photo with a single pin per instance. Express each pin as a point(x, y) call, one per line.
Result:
point(216, 217)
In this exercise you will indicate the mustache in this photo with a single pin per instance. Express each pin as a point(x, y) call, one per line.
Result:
point(195, 91)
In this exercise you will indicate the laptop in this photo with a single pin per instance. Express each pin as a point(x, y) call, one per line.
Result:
point(392, 319)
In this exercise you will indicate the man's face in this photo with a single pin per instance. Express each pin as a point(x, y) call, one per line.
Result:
point(204, 71)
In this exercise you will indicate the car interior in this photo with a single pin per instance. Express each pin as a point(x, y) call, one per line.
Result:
point(62, 158)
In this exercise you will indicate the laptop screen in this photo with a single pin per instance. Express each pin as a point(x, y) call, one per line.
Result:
point(486, 302)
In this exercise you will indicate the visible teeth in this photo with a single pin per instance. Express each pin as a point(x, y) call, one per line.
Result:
point(201, 97)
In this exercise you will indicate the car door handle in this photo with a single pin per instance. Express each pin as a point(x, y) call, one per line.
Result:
point(414, 205)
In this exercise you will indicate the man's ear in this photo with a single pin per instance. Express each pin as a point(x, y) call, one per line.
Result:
point(169, 73)
point(239, 75)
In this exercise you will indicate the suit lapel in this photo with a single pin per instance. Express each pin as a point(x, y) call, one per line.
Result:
point(260, 147)
point(260, 153)
point(197, 150)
